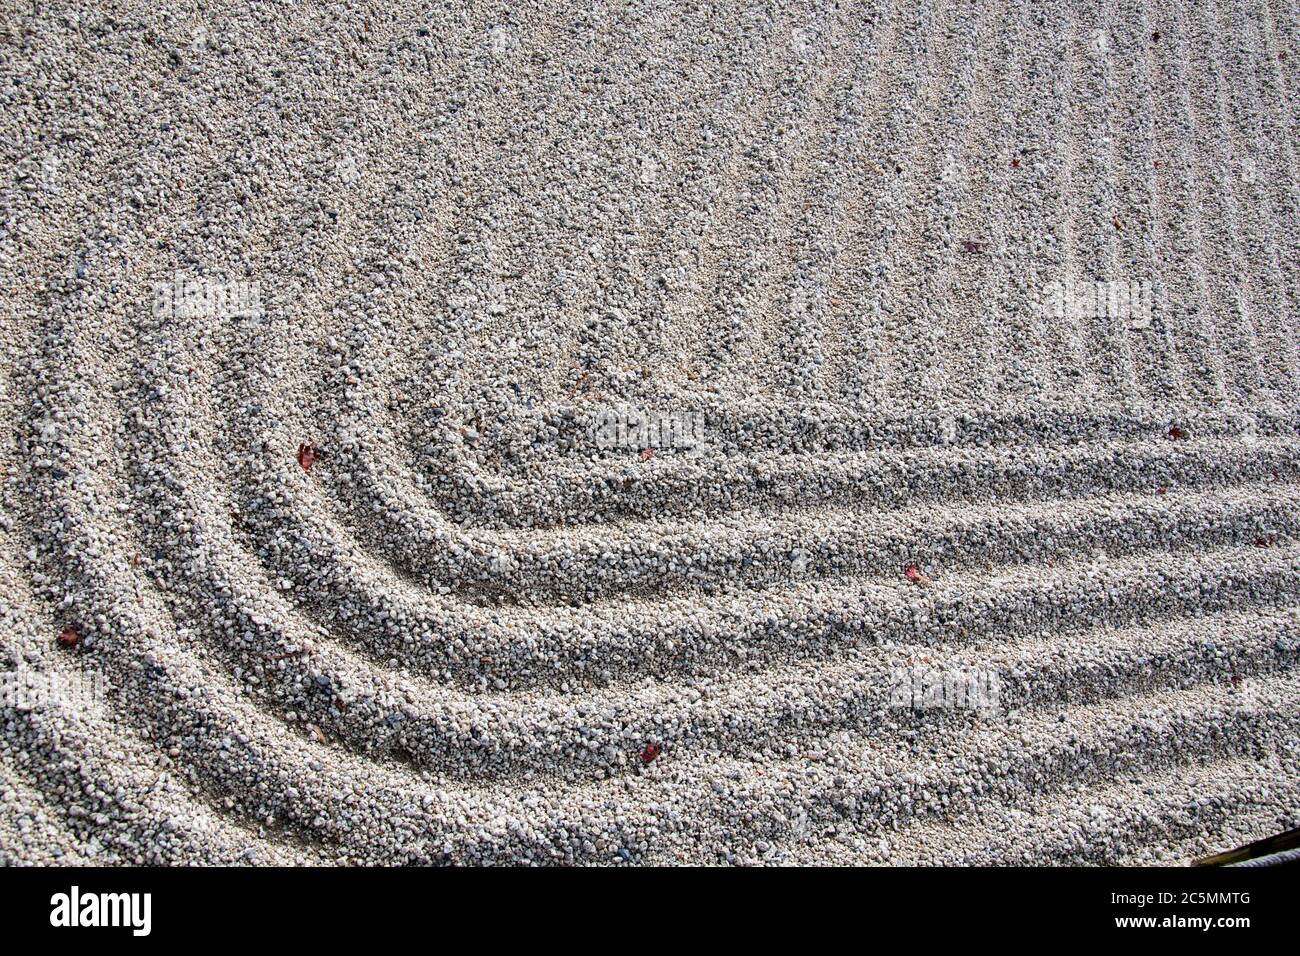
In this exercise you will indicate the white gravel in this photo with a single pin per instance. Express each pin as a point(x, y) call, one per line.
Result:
point(472, 632)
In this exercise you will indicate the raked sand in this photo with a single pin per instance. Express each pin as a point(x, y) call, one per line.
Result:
point(968, 331)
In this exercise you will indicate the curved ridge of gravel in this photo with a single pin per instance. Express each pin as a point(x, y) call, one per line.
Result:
point(471, 632)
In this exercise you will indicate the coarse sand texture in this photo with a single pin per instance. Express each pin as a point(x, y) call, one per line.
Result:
point(648, 432)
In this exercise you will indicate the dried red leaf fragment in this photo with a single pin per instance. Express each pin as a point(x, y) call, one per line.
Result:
point(69, 637)
point(651, 751)
point(308, 455)
point(917, 576)
point(647, 454)
point(1177, 434)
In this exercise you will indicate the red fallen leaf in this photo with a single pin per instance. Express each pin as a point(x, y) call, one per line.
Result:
point(1177, 434)
point(1236, 679)
point(973, 246)
point(1157, 163)
point(916, 576)
point(1162, 490)
point(308, 455)
point(647, 454)
point(1015, 163)
point(651, 751)
point(69, 637)
point(1266, 541)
